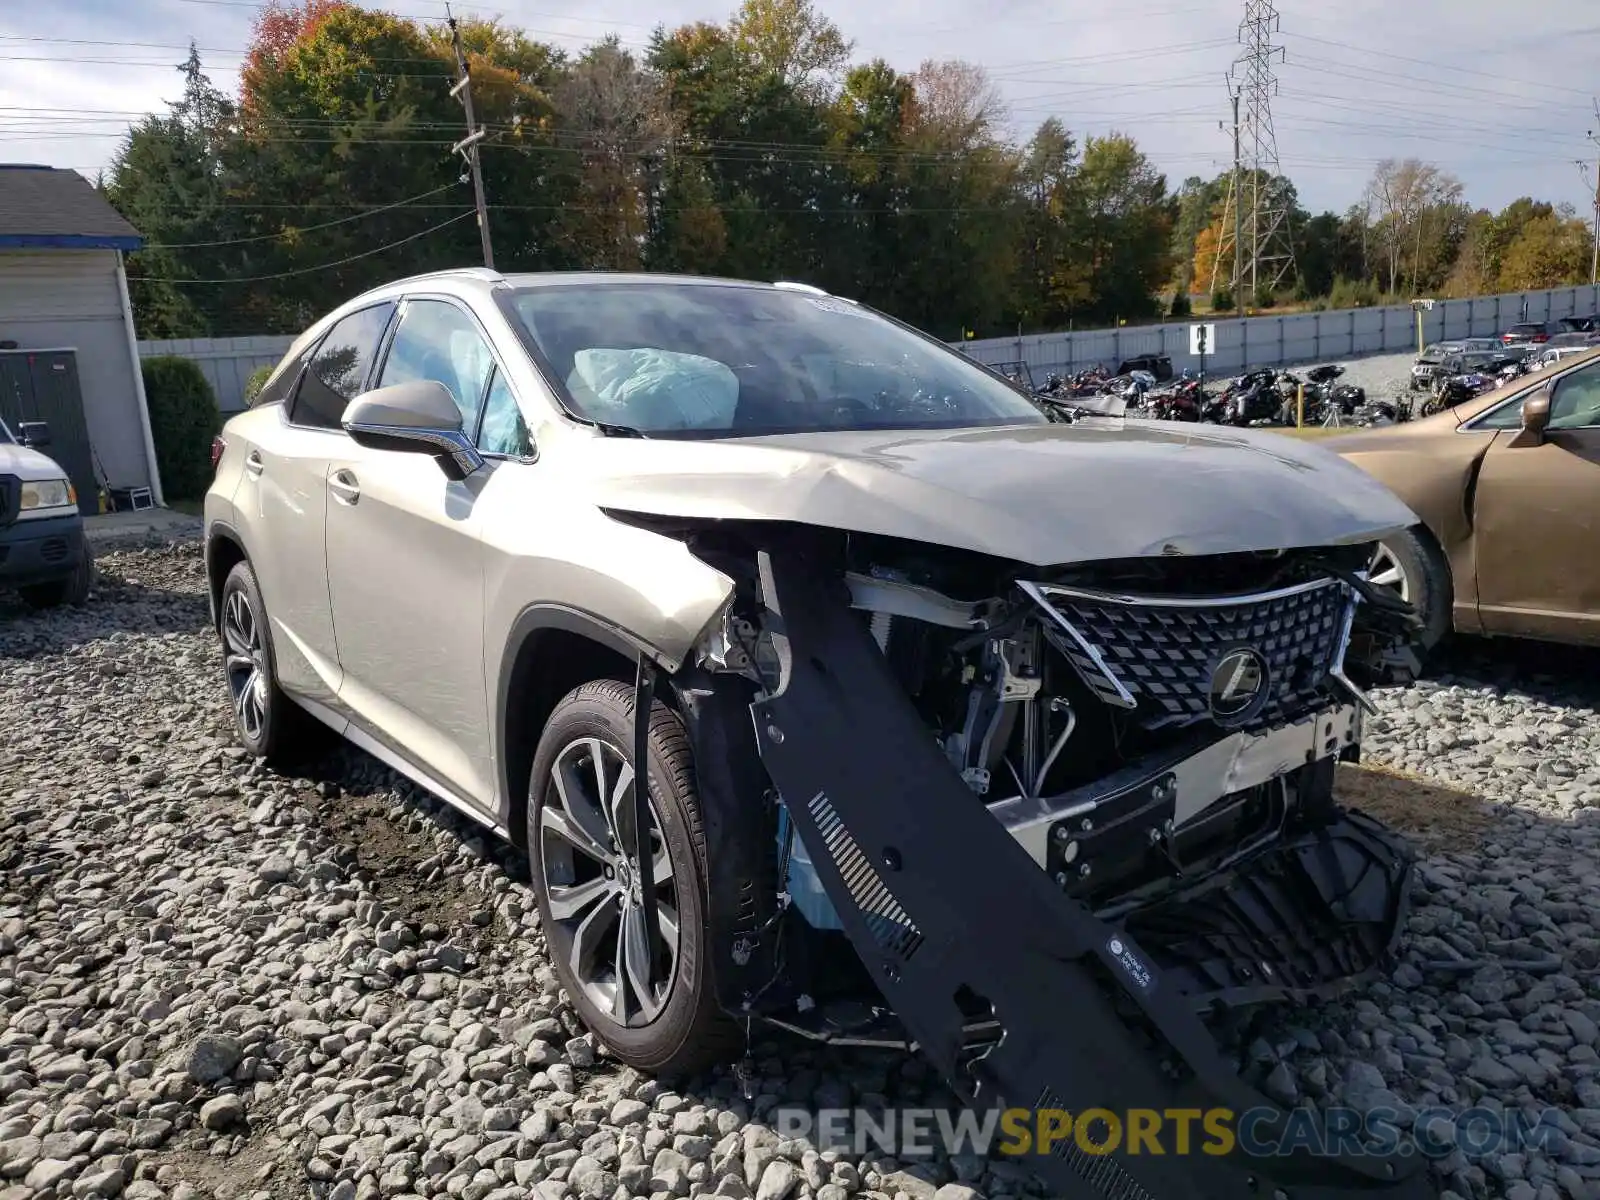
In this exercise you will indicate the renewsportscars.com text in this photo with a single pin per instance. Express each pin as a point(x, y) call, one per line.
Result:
point(913, 1132)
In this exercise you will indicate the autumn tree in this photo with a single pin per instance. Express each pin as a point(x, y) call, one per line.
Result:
point(1127, 226)
point(1199, 205)
point(956, 238)
point(752, 147)
point(791, 40)
point(169, 180)
point(1405, 196)
point(1550, 249)
point(614, 121)
point(1049, 287)
point(1204, 265)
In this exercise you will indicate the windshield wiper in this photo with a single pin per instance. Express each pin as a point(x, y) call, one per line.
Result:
point(1059, 409)
point(611, 430)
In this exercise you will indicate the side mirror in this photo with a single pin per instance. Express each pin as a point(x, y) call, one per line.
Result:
point(1535, 416)
point(418, 417)
point(33, 433)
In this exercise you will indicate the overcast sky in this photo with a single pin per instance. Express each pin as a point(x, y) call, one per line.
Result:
point(1456, 82)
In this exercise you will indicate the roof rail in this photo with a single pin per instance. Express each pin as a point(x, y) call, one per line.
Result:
point(487, 274)
point(790, 286)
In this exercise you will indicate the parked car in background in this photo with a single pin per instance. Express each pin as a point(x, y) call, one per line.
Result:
point(1572, 337)
point(1507, 486)
point(776, 634)
point(1530, 332)
point(1432, 363)
point(43, 553)
point(1553, 353)
point(1459, 358)
point(1588, 323)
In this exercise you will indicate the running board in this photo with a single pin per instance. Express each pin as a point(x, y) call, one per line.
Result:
point(945, 908)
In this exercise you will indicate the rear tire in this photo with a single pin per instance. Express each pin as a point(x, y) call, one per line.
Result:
point(267, 722)
point(585, 891)
point(1411, 566)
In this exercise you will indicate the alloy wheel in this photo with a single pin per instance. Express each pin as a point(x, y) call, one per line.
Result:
point(246, 664)
point(586, 857)
point(1386, 571)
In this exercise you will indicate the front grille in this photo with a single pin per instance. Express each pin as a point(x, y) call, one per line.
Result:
point(53, 550)
point(9, 486)
point(1156, 655)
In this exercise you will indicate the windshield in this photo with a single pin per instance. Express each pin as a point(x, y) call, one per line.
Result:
point(708, 360)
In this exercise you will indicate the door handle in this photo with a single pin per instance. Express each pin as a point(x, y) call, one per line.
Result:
point(253, 466)
point(344, 486)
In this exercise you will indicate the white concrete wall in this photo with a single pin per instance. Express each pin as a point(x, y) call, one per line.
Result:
point(69, 300)
point(1263, 341)
point(1268, 341)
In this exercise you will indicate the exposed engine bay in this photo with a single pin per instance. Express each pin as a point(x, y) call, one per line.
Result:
point(983, 774)
point(1131, 724)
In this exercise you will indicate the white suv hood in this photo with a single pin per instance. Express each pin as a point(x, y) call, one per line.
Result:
point(28, 465)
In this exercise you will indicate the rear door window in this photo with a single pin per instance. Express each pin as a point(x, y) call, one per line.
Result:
point(338, 371)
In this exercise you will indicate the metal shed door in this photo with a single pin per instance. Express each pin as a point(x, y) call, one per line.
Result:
point(42, 385)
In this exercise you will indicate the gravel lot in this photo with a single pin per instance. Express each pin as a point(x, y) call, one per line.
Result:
point(215, 980)
point(1384, 376)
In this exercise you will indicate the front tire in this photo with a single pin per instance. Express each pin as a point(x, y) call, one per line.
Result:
point(1409, 565)
point(73, 590)
point(580, 837)
point(268, 723)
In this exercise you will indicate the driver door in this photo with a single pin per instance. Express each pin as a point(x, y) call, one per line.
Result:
point(1537, 518)
point(406, 570)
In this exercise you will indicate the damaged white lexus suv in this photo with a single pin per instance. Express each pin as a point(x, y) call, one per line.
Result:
point(966, 727)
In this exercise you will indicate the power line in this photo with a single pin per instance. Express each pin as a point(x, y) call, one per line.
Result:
point(1367, 52)
point(272, 237)
point(461, 216)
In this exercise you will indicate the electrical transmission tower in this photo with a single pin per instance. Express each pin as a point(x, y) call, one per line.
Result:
point(1255, 238)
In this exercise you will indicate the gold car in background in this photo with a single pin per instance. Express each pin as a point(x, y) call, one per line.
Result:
point(1507, 486)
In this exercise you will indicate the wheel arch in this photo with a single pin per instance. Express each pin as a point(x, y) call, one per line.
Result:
point(224, 551)
point(550, 650)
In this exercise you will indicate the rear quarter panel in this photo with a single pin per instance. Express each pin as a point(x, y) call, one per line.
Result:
point(218, 508)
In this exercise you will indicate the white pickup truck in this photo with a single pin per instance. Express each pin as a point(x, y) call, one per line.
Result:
point(43, 553)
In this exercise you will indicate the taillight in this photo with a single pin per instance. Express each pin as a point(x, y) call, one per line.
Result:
point(218, 445)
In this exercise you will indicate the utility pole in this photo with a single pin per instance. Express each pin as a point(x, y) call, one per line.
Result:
point(1238, 216)
point(468, 146)
point(1232, 203)
point(1594, 233)
point(1594, 260)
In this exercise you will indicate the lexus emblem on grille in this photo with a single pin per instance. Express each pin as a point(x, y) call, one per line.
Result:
point(1238, 687)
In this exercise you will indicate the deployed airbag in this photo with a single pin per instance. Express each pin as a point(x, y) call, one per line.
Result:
point(654, 389)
